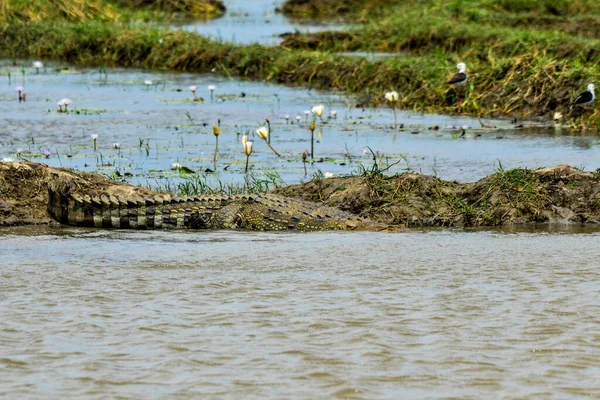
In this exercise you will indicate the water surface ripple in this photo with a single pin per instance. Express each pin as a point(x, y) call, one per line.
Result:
point(92, 314)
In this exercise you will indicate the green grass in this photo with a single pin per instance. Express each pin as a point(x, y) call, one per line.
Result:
point(17, 11)
point(199, 184)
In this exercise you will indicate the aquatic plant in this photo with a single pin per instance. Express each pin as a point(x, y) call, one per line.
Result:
point(148, 83)
point(304, 156)
point(94, 137)
point(333, 114)
point(212, 89)
point(268, 122)
point(116, 146)
point(263, 133)
point(393, 97)
point(63, 103)
point(21, 91)
point(312, 139)
point(47, 153)
point(287, 118)
point(247, 150)
point(37, 65)
point(216, 133)
point(318, 111)
point(306, 114)
point(193, 89)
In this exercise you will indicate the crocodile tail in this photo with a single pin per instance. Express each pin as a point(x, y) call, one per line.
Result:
point(135, 212)
point(57, 204)
point(68, 208)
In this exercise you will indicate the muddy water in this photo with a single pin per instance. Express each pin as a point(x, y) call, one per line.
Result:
point(117, 106)
point(98, 314)
point(254, 21)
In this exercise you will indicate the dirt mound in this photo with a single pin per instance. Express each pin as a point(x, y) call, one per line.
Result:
point(560, 194)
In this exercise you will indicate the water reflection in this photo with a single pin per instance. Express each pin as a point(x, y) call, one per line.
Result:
point(254, 21)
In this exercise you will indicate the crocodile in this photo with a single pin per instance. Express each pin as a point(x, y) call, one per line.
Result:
point(264, 212)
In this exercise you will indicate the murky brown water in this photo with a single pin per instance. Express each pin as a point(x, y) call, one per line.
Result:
point(103, 314)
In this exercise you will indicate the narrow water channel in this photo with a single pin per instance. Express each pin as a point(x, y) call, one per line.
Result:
point(255, 21)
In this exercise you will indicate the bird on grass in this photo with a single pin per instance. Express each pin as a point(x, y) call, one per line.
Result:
point(459, 79)
point(585, 100)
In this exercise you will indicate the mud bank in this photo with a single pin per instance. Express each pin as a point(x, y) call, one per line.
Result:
point(560, 194)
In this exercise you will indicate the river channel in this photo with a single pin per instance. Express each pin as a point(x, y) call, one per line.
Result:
point(94, 314)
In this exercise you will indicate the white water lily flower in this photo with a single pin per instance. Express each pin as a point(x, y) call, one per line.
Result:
point(212, 88)
point(334, 113)
point(328, 175)
point(94, 136)
point(176, 166)
point(557, 116)
point(193, 89)
point(64, 102)
point(318, 110)
point(392, 96)
point(19, 89)
point(147, 82)
point(306, 112)
point(298, 118)
point(263, 132)
point(38, 64)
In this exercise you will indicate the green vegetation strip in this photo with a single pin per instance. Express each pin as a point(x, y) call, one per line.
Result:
point(524, 58)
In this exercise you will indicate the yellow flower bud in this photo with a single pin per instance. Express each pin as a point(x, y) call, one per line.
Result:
point(216, 129)
point(312, 125)
point(248, 148)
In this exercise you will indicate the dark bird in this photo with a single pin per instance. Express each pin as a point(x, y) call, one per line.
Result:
point(584, 100)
